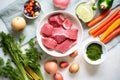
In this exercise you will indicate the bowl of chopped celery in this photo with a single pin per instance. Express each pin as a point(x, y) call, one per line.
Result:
point(95, 52)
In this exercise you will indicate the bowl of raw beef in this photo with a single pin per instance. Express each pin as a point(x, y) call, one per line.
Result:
point(59, 33)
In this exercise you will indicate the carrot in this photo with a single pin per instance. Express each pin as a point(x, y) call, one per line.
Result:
point(106, 26)
point(98, 18)
point(110, 29)
point(94, 30)
point(112, 35)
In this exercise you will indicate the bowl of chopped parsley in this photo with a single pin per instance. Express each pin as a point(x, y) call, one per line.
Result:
point(95, 52)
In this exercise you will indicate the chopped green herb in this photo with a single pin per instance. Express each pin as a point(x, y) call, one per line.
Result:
point(94, 51)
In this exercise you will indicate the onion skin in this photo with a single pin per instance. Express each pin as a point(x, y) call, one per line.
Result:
point(51, 67)
point(18, 23)
point(58, 76)
point(74, 68)
point(62, 4)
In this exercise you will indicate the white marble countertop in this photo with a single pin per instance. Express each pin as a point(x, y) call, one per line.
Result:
point(108, 70)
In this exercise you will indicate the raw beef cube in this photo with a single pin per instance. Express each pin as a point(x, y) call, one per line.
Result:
point(61, 17)
point(56, 20)
point(67, 24)
point(72, 34)
point(59, 38)
point(59, 34)
point(49, 42)
point(65, 46)
point(46, 29)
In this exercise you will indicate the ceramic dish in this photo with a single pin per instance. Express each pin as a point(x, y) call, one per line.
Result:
point(32, 9)
point(76, 23)
point(103, 55)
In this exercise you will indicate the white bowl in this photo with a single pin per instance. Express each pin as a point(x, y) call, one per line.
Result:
point(36, 8)
point(76, 23)
point(103, 55)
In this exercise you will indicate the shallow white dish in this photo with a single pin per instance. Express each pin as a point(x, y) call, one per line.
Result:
point(103, 56)
point(76, 23)
point(36, 10)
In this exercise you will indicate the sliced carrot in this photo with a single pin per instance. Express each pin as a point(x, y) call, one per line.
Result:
point(110, 29)
point(99, 18)
point(94, 30)
point(106, 26)
point(115, 33)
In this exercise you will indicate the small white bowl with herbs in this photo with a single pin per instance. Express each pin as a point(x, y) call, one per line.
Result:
point(95, 52)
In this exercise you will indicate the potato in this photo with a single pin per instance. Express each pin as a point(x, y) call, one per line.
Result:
point(74, 68)
point(58, 76)
point(51, 67)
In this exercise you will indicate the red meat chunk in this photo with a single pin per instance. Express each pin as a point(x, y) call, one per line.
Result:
point(59, 38)
point(67, 24)
point(46, 29)
point(49, 42)
point(59, 34)
point(72, 34)
point(65, 46)
point(56, 20)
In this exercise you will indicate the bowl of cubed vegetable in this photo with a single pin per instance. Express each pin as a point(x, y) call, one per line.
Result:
point(32, 9)
point(59, 33)
point(94, 52)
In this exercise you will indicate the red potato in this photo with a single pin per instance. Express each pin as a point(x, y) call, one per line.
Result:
point(64, 64)
point(58, 76)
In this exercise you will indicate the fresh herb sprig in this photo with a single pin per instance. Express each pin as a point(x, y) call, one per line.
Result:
point(23, 61)
point(9, 71)
point(33, 56)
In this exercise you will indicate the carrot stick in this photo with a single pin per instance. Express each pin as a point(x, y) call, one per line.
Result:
point(94, 30)
point(98, 18)
point(110, 29)
point(112, 35)
point(106, 26)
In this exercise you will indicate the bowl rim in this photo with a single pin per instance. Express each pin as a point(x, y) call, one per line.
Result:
point(103, 56)
point(56, 12)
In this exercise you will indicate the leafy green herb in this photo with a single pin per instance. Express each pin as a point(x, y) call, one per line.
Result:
point(10, 47)
point(10, 72)
point(22, 61)
point(94, 51)
point(1, 61)
point(22, 37)
point(33, 55)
